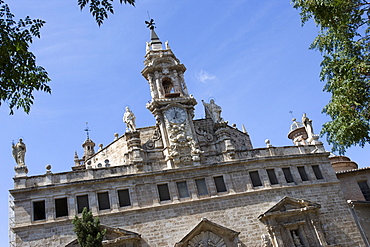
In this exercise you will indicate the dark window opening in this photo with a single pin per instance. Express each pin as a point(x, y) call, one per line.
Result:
point(103, 200)
point(124, 198)
point(61, 207)
point(220, 184)
point(365, 189)
point(82, 202)
point(167, 86)
point(201, 187)
point(288, 175)
point(317, 172)
point(272, 176)
point(182, 188)
point(164, 193)
point(255, 177)
point(302, 173)
point(39, 210)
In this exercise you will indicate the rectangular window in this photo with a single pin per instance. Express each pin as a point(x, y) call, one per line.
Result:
point(201, 187)
point(164, 193)
point(365, 189)
point(302, 173)
point(255, 177)
point(316, 170)
point(272, 176)
point(220, 184)
point(182, 188)
point(288, 175)
point(103, 200)
point(61, 207)
point(39, 210)
point(124, 198)
point(82, 202)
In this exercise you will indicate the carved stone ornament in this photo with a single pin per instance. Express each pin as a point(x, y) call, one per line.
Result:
point(203, 132)
point(207, 239)
point(151, 143)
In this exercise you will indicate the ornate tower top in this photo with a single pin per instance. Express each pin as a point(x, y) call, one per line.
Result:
point(171, 105)
point(163, 71)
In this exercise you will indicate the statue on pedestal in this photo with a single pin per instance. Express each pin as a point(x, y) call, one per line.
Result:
point(19, 152)
point(213, 110)
point(308, 125)
point(129, 119)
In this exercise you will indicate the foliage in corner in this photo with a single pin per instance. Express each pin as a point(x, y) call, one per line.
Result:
point(19, 74)
point(343, 40)
point(88, 230)
point(101, 8)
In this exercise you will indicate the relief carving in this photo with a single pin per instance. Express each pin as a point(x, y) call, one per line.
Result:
point(207, 239)
point(156, 138)
point(204, 133)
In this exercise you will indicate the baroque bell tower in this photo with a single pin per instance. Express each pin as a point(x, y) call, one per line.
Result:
point(171, 104)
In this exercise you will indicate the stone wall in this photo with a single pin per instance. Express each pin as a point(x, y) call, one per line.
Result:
point(348, 182)
point(167, 222)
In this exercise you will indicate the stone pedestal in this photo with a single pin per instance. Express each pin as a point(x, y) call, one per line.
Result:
point(21, 171)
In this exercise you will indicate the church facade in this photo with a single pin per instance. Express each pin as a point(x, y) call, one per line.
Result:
point(188, 183)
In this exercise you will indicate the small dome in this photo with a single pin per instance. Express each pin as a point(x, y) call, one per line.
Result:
point(295, 125)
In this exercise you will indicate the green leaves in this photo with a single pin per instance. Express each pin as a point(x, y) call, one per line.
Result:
point(88, 230)
point(343, 40)
point(19, 74)
point(100, 8)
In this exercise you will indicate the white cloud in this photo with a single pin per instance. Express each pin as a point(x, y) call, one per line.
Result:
point(204, 76)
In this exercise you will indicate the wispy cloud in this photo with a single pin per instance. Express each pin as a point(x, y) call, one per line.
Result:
point(204, 76)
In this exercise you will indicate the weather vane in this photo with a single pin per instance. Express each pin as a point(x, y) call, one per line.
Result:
point(87, 130)
point(291, 113)
point(150, 24)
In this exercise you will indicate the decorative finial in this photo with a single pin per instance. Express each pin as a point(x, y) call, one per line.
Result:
point(48, 169)
point(243, 128)
point(268, 143)
point(87, 130)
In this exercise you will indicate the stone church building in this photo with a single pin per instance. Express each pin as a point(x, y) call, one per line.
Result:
point(190, 182)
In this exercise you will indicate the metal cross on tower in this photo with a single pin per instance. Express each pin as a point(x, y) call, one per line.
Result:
point(87, 130)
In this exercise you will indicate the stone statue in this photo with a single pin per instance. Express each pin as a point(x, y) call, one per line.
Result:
point(308, 126)
point(266, 240)
point(19, 151)
point(129, 119)
point(147, 48)
point(296, 239)
point(167, 45)
point(213, 110)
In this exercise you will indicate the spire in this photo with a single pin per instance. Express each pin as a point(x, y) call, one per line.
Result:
point(155, 42)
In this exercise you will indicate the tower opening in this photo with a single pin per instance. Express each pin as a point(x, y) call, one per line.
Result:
point(169, 90)
point(167, 86)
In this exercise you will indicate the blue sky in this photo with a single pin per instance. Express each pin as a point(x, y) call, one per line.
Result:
point(250, 56)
